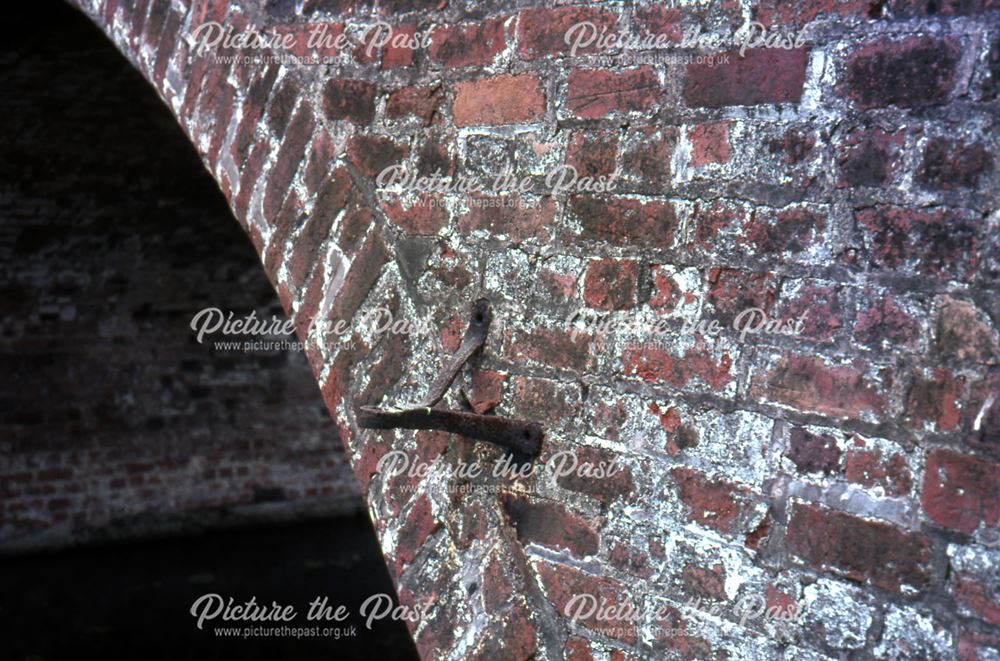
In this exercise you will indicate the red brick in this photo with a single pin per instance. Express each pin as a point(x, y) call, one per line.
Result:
point(714, 224)
point(373, 153)
point(869, 158)
point(934, 400)
point(563, 583)
point(820, 306)
point(281, 104)
point(709, 143)
point(708, 583)
point(595, 93)
point(597, 473)
point(960, 491)
point(809, 383)
point(789, 231)
point(421, 218)
point(395, 56)
point(647, 154)
point(365, 270)
point(661, 366)
point(535, 397)
point(934, 8)
point(796, 145)
point(514, 638)
point(963, 334)
point(914, 72)
point(865, 551)
point(352, 100)
point(950, 164)
point(763, 75)
point(517, 221)
point(717, 504)
point(626, 221)
point(551, 347)
point(418, 526)
point(502, 99)
point(974, 646)
point(551, 525)
point(869, 469)
point(611, 284)
point(593, 155)
point(324, 44)
point(542, 32)
point(731, 291)
point(984, 408)
point(883, 323)
point(974, 593)
point(290, 155)
point(799, 12)
point(934, 242)
point(811, 452)
point(468, 44)
point(422, 102)
point(434, 156)
point(487, 389)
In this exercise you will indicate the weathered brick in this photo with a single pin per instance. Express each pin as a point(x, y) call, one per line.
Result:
point(813, 452)
point(549, 524)
point(468, 44)
point(869, 158)
point(593, 155)
point(542, 32)
point(625, 221)
point(864, 551)
point(502, 99)
point(928, 242)
point(731, 291)
point(951, 164)
point(372, 154)
point(422, 217)
point(550, 347)
point(717, 504)
point(760, 76)
point(963, 335)
point(563, 583)
point(518, 221)
point(421, 102)
point(914, 72)
point(934, 400)
point(288, 159)
point(870, 469)
point(961, 491)
point(611, 284)
point(679, 368)
point(597, 473)
point(595, 93)
point(352, 100)
point(810, 383)
point(420, 523)
point(709, 143)
point(884, 321)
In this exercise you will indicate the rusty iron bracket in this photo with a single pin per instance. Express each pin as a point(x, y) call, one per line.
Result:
point(522, 436)
point(519, 435)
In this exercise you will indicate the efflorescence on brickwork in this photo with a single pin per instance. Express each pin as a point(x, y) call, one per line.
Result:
point(846, 472)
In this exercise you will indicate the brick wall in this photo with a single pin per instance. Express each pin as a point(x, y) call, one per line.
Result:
point(846, 473)
point(116, 421)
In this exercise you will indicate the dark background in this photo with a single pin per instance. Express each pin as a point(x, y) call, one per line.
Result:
point(139, 469)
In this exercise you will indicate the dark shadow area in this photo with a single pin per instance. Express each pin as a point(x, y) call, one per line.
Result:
point(133, 601)
point(114, 418)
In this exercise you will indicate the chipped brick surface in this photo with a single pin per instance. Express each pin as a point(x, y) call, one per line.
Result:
point(846, 467)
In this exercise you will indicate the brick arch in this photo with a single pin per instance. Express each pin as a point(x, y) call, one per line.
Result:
point(733, 457)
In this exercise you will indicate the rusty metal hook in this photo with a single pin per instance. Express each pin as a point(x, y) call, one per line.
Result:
point(522, 436)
